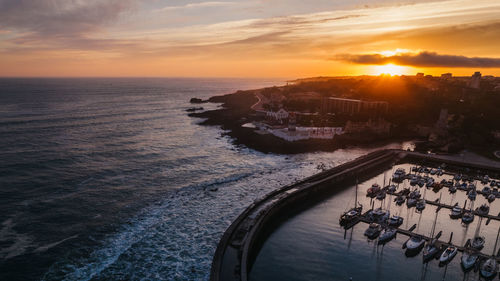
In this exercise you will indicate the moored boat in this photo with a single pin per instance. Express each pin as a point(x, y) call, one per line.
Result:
point(448, 254)
point(469, 259)
point(467, 217)
point(373, 231)
point(478, 242)
point(456, 212)
point(373, 190)
point(489, 268)
point(387, 235)
point(483, 210)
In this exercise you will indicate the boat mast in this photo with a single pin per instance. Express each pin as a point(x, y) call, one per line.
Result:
point(356, 195)
point(496, 242)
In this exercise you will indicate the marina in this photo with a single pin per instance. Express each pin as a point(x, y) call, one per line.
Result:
point(307, 215)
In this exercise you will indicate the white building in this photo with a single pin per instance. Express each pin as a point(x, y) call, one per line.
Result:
point(278, 115)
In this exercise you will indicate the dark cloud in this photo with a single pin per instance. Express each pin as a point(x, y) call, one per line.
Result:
point(60, 17)
point(422, 59)
point(61, 24)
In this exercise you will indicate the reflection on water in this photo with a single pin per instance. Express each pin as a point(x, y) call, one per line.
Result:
point(312, 245)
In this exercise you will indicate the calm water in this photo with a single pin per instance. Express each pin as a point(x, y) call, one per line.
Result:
point(313, 246)
point(110, 179)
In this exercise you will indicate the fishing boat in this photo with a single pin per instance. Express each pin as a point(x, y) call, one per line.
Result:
point(478, 242)
point(469, 259)
point(420, 206)
point(373, 190)
point(373, 231)
point(483, 210)
point(395, 221)
point(448, 254)
point(387, 235)
point(467, 217)
point(353, 213)
point(456, 212)
point(489, 268)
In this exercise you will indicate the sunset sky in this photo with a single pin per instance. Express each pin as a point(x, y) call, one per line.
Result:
point(247, 38)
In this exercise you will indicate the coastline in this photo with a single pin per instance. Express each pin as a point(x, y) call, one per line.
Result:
point(237, 110)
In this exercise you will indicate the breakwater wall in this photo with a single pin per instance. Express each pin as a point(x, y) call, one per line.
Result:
point(241, 241)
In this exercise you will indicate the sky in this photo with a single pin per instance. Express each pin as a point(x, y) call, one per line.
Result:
point(247, 38)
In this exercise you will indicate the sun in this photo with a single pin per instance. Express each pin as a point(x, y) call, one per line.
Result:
point(390, 69)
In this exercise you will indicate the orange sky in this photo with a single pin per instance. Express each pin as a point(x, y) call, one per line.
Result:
point(254, 38)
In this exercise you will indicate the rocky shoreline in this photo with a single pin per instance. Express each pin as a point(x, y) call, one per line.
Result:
point(236, 111)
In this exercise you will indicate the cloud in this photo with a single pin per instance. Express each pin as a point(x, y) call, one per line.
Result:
point(198, 5)
point(422, 59)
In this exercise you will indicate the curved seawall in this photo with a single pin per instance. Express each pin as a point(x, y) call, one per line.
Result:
point(242, 240)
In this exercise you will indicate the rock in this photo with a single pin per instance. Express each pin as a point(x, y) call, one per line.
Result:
point(193, 109)
point(196, 100)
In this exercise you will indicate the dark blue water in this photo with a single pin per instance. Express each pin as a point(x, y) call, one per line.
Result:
point(110, 179)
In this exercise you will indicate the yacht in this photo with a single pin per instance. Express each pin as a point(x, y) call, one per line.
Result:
point(467, 217)
point(399, 175)
point(420, 206)
point(415, 243)
point(430, 250)
point(379, 215)
point(381, 195)
point(472, 194)
point(353, 213)
point(373, 231)
point(395, 221)
point(478, 242)
point(483, 210)
point(400, 200)
point(489, 268)
point(469, 259)
point(387, 235)
point(448, 254)
point(373, 190)
point(456, 212)
point(491, 197)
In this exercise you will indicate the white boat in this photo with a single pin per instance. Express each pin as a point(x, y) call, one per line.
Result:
point(381, 195)
point(387, 235)
point(478, 242)
point(489, 268)
point(468, 260)
point(420, 206)
point(467, 217)
point(448, 254)
point(456, 212)
point(415, 243)
point(491, 197)
point(472, 194)
point(430, 250)
point(483, 210)
point(395, 221)
point(373, 231)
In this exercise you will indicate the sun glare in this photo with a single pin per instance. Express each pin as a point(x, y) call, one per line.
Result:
point(390, 69)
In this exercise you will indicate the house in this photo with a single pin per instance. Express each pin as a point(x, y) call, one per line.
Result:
point(279, 115)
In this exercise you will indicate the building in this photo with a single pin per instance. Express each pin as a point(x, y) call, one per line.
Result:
point(446, 76)
point(420, 75)
point(279, 115)
point(352, 106)
point(475, 80)
point(378, 127)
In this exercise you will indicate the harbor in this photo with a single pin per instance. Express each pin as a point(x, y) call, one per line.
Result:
point(247, 251)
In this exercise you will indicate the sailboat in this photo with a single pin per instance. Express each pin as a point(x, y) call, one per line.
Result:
point(353, 213)
point(490, 267)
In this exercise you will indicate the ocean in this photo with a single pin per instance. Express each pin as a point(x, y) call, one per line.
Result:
point(111, 179)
